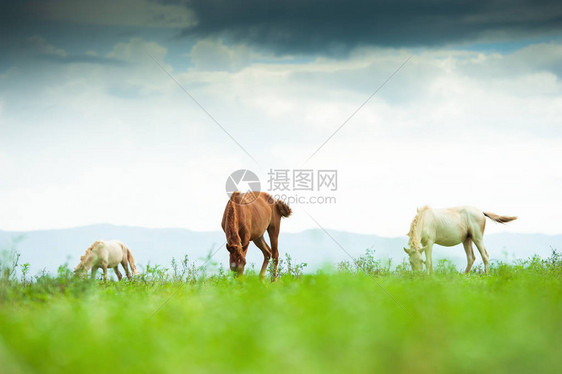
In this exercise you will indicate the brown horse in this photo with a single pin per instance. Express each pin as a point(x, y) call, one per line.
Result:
point(246, 218)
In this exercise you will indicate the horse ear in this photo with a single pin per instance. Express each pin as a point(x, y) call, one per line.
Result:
point(406, 250)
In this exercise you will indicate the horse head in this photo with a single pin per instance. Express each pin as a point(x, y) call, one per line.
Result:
point(80, 268)
point(237, 259)
point(83, 266)
point(416, 258)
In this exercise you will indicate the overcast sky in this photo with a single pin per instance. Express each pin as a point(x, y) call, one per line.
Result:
point(94, 127)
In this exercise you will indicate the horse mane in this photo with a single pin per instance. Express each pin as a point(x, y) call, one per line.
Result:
point(231, 224)
point(413, 233)
point(84, 259)
point(91, 248)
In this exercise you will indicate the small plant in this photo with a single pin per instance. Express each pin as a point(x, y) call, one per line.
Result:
point(287, 267)
point(180, 275)
point(403, 268)
point(370, 265)
point(445, 266)
point(24, 272)
point(554, 262)
point(154, 273)
point(64, 272)
point(8, 264)
point(365, 263)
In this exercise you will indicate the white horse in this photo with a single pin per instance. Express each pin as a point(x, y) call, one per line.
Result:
point(449, 227)
point(104, 254)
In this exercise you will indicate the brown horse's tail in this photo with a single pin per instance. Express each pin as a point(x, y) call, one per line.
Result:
point(231, 224)
point(499, 219)
point(283, 208)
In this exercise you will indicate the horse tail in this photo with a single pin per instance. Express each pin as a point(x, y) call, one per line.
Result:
point(283, 208)
point(129, 257)
point(231, 224)
point(131, 261)
point(499, 219)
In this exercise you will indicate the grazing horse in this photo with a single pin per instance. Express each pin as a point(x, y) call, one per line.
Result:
point(246, 218)
point(104, 254)
point(449, 227)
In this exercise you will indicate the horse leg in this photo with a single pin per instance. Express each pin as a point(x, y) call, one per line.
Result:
point(483, 252)
point(273, 232)
point(126, 267)
point(116, 270)
point(245, 249)
point(261, 244)
point(104, 267)
point(94, 269)
point(469, 254)
point(428, 258)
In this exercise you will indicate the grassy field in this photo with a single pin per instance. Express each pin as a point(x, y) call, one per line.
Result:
point(359, 317)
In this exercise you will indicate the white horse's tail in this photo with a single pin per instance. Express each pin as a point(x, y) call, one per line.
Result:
point(131, 260)
point(499, 219)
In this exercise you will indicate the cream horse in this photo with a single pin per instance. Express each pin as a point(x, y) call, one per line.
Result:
point(104, 254)
point(449, 227)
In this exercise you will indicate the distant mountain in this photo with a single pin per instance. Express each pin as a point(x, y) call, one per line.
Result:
point(50, 248)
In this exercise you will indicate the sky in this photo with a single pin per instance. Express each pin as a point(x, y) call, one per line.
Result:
point(135, 112)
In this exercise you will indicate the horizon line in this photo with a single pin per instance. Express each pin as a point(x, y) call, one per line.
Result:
point(215, 231)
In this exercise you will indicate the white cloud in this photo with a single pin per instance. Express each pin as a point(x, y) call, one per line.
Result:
point(214, 55)
point(39, 45)
point(452, 128)
point(136, 51)
point(381, 182)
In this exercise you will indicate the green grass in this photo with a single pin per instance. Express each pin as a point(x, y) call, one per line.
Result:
point(333, 321)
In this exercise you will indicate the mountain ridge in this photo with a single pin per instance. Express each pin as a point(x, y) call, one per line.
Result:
point(48, 249)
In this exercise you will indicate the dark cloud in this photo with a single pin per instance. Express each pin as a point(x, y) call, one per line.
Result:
point(83, 59)
point(334, 27)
